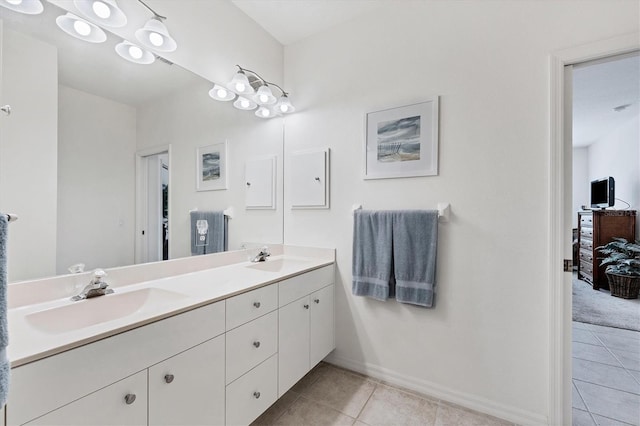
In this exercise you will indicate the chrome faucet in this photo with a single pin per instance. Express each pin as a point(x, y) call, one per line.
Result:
point(97, 287)
point(262, 255)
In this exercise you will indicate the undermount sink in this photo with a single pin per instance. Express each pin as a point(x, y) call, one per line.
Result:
point(277, 265)
point(97, 310)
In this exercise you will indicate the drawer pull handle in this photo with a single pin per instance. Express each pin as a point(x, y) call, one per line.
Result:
point(256, 304)
point(256, 344)
point(306, 306)
point(316, 300)
point(256, 395)
point(130, 398)
point(168, 378)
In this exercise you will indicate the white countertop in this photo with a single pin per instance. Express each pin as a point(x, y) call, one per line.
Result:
point(31, 338)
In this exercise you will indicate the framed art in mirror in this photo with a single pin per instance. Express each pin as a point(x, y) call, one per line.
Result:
point(402, 141)
point(211, 167)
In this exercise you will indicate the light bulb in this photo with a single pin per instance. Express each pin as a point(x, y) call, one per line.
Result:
point(222, 93)
point(240, 87)
point(101, 10)
point(135, 52)
point(284, 108)
point(82, 28)
point(264, 112)
point(14, 2)
point(156, 39)
point(244, 103)
point(264, 98)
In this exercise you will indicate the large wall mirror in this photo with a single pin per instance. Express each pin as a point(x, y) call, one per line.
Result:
point(91, 135)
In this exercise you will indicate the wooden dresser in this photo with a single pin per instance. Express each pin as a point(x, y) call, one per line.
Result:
point(596, 228)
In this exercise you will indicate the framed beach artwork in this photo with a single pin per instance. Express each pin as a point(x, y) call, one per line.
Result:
point(211, 167)
point(402, 142)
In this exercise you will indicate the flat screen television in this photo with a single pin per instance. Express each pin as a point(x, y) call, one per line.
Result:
point(603, 192)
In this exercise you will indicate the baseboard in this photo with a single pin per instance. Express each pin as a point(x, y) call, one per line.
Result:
point(472, 402)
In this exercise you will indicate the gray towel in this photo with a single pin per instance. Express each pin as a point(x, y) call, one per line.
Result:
point(415, 242)
point(208, 232)
point(5, 367)
point(372, 254)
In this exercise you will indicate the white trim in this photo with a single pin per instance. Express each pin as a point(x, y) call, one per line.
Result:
point(141, 201)
point(436, 391)
point(560, 306)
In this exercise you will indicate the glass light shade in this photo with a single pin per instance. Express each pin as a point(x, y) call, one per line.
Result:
point(284, 105)
point(105, 12)
point(220, 93)
point(264, 96)
point(28, 7)
point(264, 112)
point(135, 54)
point(240, 84)
point(244, 104)
point(81, 29)
point(155, 36)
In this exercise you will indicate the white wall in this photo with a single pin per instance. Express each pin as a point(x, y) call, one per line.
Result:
point(581, 181)
point(616, 154)
point(28, 153)
point(191, 119)
point(96, 175)
point(486, 343)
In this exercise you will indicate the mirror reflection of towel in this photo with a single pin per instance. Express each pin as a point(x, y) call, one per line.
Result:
point(5, 368)
point(209, 231)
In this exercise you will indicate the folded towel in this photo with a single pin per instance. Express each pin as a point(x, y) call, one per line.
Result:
point(208, 232)
point(372, 254)
point(415, 241)
point(5, 368)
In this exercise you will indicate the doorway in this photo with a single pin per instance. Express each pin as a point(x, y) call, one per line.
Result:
point(561, 217)
point(152, 205)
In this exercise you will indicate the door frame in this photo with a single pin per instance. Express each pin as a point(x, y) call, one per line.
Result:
point(560, 159)
point(142, 200)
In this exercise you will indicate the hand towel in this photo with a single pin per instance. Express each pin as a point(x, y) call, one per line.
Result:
point(415, 242)
point(5, 367)
point(209, 231)
point(372, 254)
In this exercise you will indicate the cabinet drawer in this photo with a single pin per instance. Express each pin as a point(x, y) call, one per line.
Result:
point(73, 374)
point(253, 393)
point(299, 286)
point(586, 243)
point(586, 256)
point(586, 267)
point(250, 344)
point(586, 232)
point(586, 221)
point(248, 306)
point(104, 407)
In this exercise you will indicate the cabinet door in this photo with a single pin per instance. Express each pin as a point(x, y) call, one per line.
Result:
point(188, 389)
point(122, 403)
point(322, 330)
point(293, 343)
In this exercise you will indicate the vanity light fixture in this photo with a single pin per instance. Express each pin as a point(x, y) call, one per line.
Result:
point(104, 12)
point(252, 91)
point(28, 7)
point(81, 29)
point(155, 35)
point(134, 53)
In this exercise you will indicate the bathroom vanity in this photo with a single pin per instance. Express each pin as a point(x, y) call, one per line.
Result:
point(215, 346)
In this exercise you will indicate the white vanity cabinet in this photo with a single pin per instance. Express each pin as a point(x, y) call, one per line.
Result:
point(122, 403)
point(188, 389)
point(306, 332)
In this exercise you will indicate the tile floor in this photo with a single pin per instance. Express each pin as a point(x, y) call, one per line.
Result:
point(329, 395)
point(606, 376)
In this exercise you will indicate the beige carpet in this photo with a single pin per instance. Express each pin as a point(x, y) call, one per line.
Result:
point(599, 307)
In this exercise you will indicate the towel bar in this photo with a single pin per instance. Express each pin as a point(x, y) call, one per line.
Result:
point(444, 211)
point(11, 217)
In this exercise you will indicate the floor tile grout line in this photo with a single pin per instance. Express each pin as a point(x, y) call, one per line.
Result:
point(618, 359)
point(375, 387)
point(585, 403)
point(603, 363)
point(589, 409)
point(605, 386)
point(573, 383)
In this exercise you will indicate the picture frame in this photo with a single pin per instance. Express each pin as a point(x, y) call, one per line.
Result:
point(211, 167)
point(403, 141)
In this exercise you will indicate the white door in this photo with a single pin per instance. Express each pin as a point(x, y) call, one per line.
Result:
point(293, 343)
point(122, 403)
point(322, 330)
point(189, 388)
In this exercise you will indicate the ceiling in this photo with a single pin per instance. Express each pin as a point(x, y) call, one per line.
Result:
point(600, 87)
